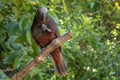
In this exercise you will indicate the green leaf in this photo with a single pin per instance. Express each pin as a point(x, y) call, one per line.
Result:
point(11, 42)
point(9, 59)
point(16, 63)
point(28, 36)
point(12, 27)
point(16, 12)
point(22, 23)
point(4, 1)
point(21, 39)
point(26, 6)
point(36, 48)
point(1, 17)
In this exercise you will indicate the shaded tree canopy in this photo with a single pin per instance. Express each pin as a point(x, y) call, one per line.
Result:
point(92, 54)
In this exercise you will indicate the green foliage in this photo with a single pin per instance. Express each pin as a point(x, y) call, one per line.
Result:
point(92, 54)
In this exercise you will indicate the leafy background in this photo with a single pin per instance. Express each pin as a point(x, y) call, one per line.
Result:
point(92, 54)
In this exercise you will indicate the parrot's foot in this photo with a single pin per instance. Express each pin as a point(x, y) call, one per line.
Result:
point(44, 27)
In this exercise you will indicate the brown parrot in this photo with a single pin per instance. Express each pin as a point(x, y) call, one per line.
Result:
point(44, 30)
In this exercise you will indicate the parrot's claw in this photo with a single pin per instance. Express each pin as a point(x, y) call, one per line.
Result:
point(44, 27)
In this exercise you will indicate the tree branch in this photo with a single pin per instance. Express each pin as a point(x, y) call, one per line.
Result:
point(41, 57)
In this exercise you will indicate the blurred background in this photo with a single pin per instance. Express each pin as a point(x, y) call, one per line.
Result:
point(92, 54)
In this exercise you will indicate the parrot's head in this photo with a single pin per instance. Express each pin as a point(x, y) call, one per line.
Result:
point(43, 12)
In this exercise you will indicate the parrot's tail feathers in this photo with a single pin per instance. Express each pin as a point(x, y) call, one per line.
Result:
point(59, 64)
point(61, 69)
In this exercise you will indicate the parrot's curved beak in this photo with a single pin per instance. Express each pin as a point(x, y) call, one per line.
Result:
point(44, 17)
